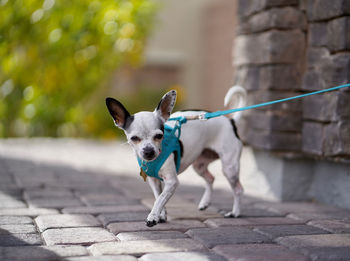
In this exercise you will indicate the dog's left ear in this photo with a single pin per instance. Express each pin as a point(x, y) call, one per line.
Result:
point(166, 105)
point(120, 115)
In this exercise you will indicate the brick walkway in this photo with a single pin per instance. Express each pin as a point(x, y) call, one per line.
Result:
point(53, 211)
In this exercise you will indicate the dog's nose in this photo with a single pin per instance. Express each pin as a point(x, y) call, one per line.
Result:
point(148, 153)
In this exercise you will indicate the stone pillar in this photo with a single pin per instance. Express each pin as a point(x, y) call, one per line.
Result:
point(284, 48)
point(326, 118)
point(269, 57)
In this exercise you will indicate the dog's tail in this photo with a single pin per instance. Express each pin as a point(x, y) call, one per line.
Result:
point(236, 97)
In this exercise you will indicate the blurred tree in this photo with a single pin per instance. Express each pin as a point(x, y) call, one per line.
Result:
point(54, 54)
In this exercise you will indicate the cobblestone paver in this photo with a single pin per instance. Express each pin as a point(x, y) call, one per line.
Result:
point(180, 225)
point(127, 216)
point(146, 246)
point(320, 247)
point(102, 209)
point(20, 253)
point(81, 235)
point(263, 252)
point(66, 220)
point(333, 226)
point(16, 220)
point(20, 239)
point(288, 230)
point(211, 237)
point(102, 258)
point(17, 229)
point(55, 211)
point(150, 235)
point(180, 256)
point(253, 221)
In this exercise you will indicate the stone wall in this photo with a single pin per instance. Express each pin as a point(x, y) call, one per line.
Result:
point(288, 47)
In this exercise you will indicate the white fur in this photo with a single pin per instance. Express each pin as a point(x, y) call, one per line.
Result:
point(236, 97)
point(215, 134)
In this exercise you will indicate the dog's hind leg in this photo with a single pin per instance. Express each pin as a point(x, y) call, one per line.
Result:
point(201, 167)
point(230, 167)
point(156, 187)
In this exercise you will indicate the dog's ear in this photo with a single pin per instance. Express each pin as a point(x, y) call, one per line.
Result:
point(120, 115)
point(166, 105)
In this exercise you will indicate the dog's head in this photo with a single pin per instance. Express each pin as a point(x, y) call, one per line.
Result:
point(144, 130)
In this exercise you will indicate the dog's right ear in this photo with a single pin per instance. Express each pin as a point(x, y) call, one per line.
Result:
point(120, 115)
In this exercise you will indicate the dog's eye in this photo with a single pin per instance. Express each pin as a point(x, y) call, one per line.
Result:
point(135, 139)
point(158, 136)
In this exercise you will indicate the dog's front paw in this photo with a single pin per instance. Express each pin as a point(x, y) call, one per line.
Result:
point(151, 220)
point(202, 207)
point(150, 223)
point(232, 215)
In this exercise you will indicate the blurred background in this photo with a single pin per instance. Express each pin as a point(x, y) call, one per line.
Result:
point(60, 59)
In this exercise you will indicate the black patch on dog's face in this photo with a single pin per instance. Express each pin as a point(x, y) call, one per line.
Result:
point(161, 125)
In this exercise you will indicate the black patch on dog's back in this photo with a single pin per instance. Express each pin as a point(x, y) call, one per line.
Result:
point(181, 148)
point(234, 128)
point(181, 152)
point(161, 126)
point(231, 120)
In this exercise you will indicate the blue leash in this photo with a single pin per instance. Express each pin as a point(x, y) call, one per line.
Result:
point(210, 115)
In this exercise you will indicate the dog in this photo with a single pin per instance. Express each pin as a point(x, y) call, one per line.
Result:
point(203, 141)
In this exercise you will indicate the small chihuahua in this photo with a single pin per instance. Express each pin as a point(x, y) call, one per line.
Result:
point(203, 141)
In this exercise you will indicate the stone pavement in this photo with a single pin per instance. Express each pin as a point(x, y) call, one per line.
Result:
point(52, 210)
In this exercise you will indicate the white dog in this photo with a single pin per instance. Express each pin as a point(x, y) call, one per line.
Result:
point(202, 141)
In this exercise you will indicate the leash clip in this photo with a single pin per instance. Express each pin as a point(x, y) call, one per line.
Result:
point(202, 117)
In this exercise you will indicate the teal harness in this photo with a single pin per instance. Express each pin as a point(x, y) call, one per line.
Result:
point(170, 144)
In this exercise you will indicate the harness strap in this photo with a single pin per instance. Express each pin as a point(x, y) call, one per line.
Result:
point(170, 144)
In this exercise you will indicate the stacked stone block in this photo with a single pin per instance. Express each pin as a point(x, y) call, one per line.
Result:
point(285, 48)
point(326, 125)
point(269, 58)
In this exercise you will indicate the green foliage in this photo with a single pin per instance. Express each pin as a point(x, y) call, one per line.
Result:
point(56, 54)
